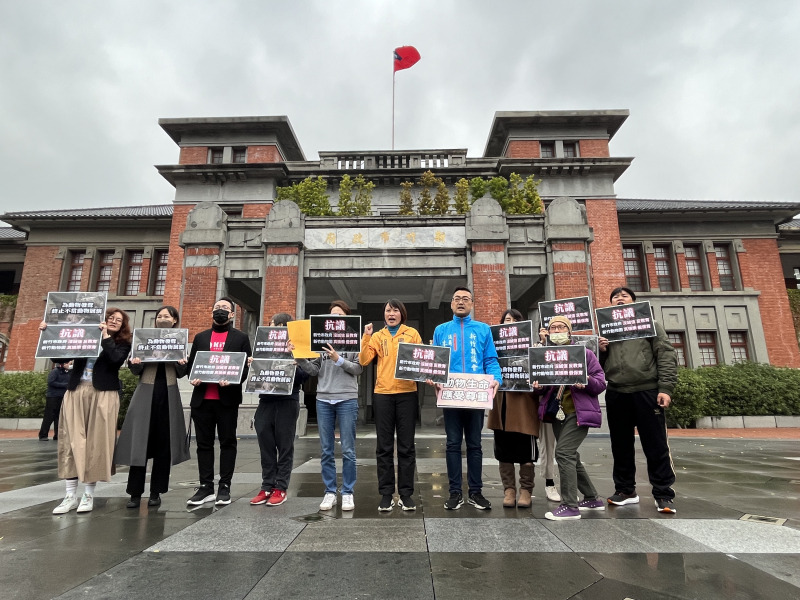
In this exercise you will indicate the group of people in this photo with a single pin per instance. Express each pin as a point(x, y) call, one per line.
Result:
point(637, 375)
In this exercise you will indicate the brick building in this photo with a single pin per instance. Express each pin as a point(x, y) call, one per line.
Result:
point(712, 270)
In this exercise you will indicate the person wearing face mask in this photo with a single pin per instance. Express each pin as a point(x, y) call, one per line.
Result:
point(154, 426)
point(394, 403)
point(578, 410)
point(215, 406)
point(642, 373)
point(87, 429)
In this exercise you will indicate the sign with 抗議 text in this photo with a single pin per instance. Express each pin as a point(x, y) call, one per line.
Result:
point(625, 322)
point(558, 365)
point(418, 362)
point(466, 390)
point(72, 320)
point(159, 345)
point(271, 342)
point(271, 376)
point(577, 310)
point(213, 367)
point(512, 339)
point(343, 332)
point(516, 372)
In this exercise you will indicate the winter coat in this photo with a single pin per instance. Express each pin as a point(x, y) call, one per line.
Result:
point(641, 364)
point(383, 345)
point(471, 346)
point(587, 406)
point(522, 413)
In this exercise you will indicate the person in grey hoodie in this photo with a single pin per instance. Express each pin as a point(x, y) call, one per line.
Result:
point(337, 399)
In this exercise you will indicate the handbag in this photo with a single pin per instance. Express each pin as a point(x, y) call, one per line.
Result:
point(553, 411)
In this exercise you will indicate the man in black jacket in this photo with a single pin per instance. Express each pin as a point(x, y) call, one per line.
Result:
point(215, 406)
point(57, 381)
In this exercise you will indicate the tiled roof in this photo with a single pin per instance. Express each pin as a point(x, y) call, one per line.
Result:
point(644, 205)
point(793, 224)
point(154, 210)
point(7, 233)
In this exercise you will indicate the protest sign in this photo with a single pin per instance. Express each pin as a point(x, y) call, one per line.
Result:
point(512, 339)
point(625, 322)
point(516, 373)
point(213, 367)
point(558, 365)
point(418, 362)
point(271, 376)
point(343, 332)
point(75, 308)
point(271, 342)
point(577, 310)
point(466, 390)
point(72, 320)
point(300, 336)
point(159, 345)
point(590, 341)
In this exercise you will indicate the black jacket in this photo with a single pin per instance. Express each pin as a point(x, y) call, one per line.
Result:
point(57, 381)
point(237, 341)
point(105, 376)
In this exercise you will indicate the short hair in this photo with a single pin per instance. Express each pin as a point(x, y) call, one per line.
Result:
point(616, 291)
point(124, 334)
point(229, 301)
point(395, 303)
point(281, 319)
point(462, 288)
point(173, 312)
point(341, 304)
point(515, 314)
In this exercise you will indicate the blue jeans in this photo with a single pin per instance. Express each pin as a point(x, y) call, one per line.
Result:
point(464, 423)
point(346, 412)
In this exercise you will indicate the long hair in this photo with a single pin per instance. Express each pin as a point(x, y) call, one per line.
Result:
point(173, 312)
point(124, 334)
point(515, 314)
point(281, 319)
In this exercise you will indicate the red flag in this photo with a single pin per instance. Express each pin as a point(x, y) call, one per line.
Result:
point(405, 57)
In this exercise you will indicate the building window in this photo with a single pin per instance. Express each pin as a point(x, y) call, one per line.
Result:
point(133, 272)
point(632, 258)
point(708, 348)
point(240, 155)
point(678, 342)
point(75, 270)
point(570, 150)
point(738, 345)
point(694, 268)
point(105, 266)
point(663, 258)
point(160, 279)
point(215, 156)
point(547, 149)
point(724, 268)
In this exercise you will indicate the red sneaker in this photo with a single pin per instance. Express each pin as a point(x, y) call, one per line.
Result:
point(261, 498)
point(277, 498)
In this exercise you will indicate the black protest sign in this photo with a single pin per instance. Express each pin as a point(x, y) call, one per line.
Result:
point(75, 308)
point(343, 332)
point(577, 310)
point(271, 343)
point(72, 320)
point(625, 322)
point(516, 373)
point(558, 365)
point(418, 362)
point(60, 341)
point(159, 345)
point(213, 367)
point(271, 376)
point(512, 339)
point(590, 341)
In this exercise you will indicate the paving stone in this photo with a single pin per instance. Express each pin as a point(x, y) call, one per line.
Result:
point(490, 535)
point(362, 535)
point(738, 536)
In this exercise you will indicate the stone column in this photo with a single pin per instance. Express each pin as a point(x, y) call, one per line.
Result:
point(487, 236)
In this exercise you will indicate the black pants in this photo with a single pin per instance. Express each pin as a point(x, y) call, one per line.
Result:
point(158, 448)
point(52, 410)
point(641, 411)
point(207, 417)
point(395, 413)
point(276, 422)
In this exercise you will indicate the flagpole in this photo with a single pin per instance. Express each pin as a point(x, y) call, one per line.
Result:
point(394, 73)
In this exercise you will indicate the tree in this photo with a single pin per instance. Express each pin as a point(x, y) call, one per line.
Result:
point(461, 198)
point(441, 201)
point(309, 195)
point(498, 189)
point(363, 200)
point(515, 198)
point(406, 201)
point(532, 198)
point(346, 204)
point(425, 204)
point(477, 188)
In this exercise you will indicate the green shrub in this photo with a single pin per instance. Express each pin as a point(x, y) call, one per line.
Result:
point(689, 399)
point(129, 382)
point(22, 395)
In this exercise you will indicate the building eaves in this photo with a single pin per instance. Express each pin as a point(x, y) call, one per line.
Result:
point(646, 205)
point(9, 233)
point(111, 212)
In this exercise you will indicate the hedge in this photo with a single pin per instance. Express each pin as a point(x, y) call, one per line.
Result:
point(22, 395)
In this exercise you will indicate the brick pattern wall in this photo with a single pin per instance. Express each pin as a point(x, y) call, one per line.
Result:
point(144, 282)
point(650, 259)
point(199, 292)
point(86, 274)
point(606, 250)
point(264, 154)
point(41, 274)
point(570, 278)
point(256, 210)
point(760, 266)
point(280, 285)
point(593, 148)
point(683, 273)
point(174, 283)
point(194, 155)
point(713, 271)
point(523, 149)
point(489, 285)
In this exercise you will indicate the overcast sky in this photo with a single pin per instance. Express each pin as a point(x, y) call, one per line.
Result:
point(713, 87)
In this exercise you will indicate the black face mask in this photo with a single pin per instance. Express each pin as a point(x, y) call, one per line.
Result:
point(221, 316)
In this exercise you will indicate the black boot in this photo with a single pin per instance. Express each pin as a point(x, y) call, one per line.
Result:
point(134, 502)
point(155, 500)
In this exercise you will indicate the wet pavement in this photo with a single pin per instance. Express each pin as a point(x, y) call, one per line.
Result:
point(706, 551)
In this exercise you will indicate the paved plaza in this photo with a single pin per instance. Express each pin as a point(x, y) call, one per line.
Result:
point(706, 551)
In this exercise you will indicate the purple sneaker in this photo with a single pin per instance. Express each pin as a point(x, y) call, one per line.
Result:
point(563, 513)
point(592, 504)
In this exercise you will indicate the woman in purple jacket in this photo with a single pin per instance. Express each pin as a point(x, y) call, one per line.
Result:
point(572, 410)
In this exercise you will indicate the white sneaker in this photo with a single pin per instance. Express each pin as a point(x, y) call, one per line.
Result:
point(552, 493)
point(347, 502)
point(67, 504)
point(87, 504)
point(328, 502)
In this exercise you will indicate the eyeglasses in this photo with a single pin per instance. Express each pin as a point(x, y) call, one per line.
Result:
point(114, 320)
point(462, 299)
point(558, 327)
point(223, 307)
